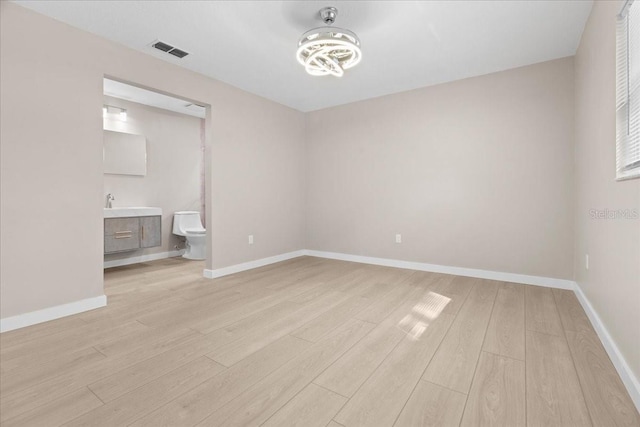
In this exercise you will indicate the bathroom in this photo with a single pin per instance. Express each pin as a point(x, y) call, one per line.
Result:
point(153, 161)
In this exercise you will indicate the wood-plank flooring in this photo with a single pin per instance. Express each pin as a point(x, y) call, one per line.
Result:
point(313, 342)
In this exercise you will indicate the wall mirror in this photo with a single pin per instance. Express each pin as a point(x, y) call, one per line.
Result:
point(124, 153)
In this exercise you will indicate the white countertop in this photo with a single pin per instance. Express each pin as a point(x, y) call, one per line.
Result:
point(131, 211)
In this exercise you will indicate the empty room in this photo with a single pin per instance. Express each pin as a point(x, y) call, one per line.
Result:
point(320, 213)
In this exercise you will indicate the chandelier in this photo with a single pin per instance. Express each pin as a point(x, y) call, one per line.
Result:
point(328, 50)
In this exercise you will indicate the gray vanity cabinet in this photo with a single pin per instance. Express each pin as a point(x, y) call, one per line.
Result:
point(150, 231)
point(131, 233)
point(121, 234)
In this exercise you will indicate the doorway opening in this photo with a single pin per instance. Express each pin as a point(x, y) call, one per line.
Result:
point(155, 169)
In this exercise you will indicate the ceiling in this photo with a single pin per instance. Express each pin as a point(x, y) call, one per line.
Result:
point(405, 44)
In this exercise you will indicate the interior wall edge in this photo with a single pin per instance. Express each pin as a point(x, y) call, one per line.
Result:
point(627, 376)
point(606, 251)
point(524, 279)
point(549, 282)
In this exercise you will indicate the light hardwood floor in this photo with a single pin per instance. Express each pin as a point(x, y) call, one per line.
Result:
point(313, 342)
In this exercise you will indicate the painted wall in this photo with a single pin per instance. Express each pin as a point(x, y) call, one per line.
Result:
point(476, 173)
point(174, 167)
point(51, 161)
point(612, 283)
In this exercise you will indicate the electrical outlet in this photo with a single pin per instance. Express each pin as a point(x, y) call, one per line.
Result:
point(586, 261)
point(251, 239)
point(398, 238)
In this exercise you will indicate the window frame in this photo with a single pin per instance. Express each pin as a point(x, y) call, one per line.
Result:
point(627, 142)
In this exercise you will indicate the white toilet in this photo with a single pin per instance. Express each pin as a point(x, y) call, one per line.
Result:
point(189, 225)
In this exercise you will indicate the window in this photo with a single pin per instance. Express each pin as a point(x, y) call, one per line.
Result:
point(628, 92)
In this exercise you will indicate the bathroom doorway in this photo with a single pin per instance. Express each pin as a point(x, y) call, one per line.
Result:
point(155, 147)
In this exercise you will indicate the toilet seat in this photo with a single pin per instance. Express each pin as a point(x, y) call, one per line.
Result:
point(195, 232)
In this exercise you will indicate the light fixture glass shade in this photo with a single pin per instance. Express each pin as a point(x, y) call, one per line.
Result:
point(328, 51)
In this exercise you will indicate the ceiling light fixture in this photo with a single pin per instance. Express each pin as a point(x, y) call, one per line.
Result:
point(108, 110)
point(328, 50)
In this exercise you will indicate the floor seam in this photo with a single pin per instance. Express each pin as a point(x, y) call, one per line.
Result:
point(428, 363)
point(444, 387)
point(573, 362)
point(501, 355)
point(328, 389)
point(93, 392)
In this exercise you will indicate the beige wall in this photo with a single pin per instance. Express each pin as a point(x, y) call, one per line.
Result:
point(51, 161)
point(174, 167)
point(612, 283)
point(476, 173)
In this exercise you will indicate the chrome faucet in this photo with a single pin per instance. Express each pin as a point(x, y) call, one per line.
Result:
point(110, 198)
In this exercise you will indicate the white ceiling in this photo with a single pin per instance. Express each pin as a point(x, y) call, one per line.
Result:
point(405, 44)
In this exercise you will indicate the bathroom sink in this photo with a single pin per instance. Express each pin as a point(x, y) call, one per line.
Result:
point(131, 211)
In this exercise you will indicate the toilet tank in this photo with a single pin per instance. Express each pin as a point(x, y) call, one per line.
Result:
point(186, 220)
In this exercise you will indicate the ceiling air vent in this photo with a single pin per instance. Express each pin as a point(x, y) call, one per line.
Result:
point(170, 49)
point(179, 53)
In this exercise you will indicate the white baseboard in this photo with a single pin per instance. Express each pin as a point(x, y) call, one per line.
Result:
point(420, 266)
point(51, 313)
point(626, 374)
point(458, 271)
point(142, 258)
point(225, 271)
